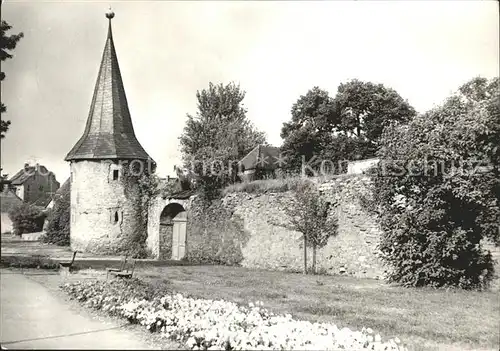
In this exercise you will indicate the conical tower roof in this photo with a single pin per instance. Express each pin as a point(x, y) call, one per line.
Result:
point(109, 133)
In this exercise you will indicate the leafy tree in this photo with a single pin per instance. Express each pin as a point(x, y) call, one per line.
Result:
point(437, 191)
point(366, 108)
point(309, 132)
point(217, 137)
point(7, 44)
point(26, 219)
point(58, 228)
point(346, 127)
point(309, 214)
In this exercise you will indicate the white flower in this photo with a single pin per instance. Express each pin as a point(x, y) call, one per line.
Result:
point(212, 324)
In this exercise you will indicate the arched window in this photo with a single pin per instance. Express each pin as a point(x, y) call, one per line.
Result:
point(117, 217)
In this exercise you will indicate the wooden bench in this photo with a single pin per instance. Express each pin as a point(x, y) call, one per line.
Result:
point(127, 271)
point(122, 267)
point(67, 267)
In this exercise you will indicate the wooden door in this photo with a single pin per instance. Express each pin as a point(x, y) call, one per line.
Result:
point(179, 236)
point(175, 242)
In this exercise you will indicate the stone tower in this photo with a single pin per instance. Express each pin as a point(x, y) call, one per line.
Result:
point(105, 198)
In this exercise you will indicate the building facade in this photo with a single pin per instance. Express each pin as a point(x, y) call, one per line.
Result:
point(34, 183)
point(105, 165)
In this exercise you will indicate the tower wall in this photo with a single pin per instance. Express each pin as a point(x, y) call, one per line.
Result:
point(105, 212)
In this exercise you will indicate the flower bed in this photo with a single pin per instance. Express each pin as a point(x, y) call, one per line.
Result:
point(218, 324)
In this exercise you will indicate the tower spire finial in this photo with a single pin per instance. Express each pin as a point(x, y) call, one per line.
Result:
point(110, 14)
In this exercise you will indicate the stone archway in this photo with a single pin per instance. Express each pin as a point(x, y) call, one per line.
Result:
point(172, 233)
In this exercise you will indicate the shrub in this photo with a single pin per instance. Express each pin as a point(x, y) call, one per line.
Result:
point(59, 220)
point(138, 251)
point(38, 261)
point(280, 185)
point(435, 206)
point(263, 185)
point(26, 219)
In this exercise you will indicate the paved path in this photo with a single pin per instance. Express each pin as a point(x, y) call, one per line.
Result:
point(32, 318)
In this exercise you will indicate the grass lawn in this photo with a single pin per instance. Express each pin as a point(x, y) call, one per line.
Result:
point(426, 319)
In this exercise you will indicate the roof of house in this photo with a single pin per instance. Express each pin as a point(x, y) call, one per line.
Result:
point(9, 200)
point(261, 156)
point(20, 177)
point(109, 133)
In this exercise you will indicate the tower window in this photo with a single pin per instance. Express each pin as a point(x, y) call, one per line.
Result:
point(115, 174)
point(116, 217)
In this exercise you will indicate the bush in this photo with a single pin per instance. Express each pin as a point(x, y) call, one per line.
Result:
point(435, 206)
point(59, 220)
point(263, 185)
point(26, 219)
point(40, 262)
point(138, 251)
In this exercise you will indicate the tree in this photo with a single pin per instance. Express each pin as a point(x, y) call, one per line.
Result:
point(346, 127)
point(366, 108)
point(309, 132)
point(7, 44)
point(217, 137)
point(310, 215)
point(437, 191)
point(26, 218)
point(58, 228)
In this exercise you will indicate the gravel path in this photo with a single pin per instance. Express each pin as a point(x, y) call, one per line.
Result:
point(36, 316)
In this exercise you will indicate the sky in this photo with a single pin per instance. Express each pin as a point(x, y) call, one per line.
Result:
point(276, 51)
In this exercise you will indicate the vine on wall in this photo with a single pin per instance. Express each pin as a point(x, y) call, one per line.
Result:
point(215, 234)
point(141, 187)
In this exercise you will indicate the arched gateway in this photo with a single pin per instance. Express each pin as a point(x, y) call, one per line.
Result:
point(168, 221)
point(172, 240)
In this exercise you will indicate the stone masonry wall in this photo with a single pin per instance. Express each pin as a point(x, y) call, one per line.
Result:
point(95, 198)
point(268, 243)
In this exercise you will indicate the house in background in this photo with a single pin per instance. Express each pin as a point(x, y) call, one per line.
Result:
point(34, 184)
point(262, 161)
point(8, 200)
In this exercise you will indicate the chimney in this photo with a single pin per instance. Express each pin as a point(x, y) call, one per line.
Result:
point(26, 165)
